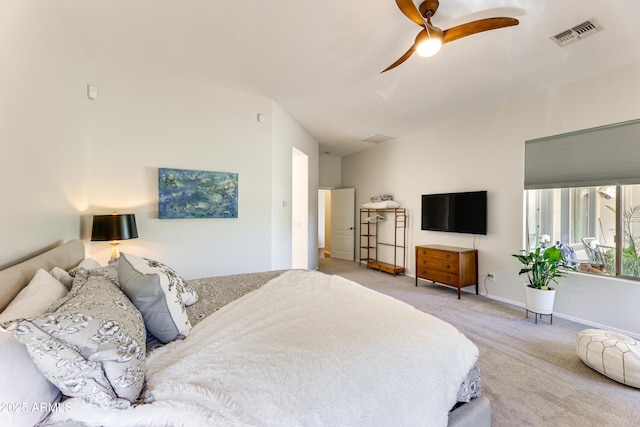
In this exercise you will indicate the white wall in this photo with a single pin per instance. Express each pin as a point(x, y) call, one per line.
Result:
point(330, 171)
point(145, 121)
point(65, 158)
point(287, 134)
point(43, 129)
point(486, 152)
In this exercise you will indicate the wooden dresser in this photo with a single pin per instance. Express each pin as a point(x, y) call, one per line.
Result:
point(448, 265)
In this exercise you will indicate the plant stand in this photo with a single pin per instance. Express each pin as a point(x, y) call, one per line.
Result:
point(540, 314)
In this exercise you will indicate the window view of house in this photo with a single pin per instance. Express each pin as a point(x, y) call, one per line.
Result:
point(598, 227)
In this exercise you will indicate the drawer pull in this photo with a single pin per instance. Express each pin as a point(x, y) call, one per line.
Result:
point(448, 256)
point(424, 262)
point(448, 278)
point(448, 267)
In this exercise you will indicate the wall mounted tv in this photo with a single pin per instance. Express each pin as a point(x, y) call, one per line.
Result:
point(455, 212)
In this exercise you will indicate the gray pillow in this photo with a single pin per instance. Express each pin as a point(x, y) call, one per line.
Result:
point(155, 295)
point(186, 291)
point(92, 346)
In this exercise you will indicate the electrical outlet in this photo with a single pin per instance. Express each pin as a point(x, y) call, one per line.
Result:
point(491, 276)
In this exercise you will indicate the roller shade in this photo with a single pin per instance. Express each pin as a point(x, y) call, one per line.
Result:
point(606, 155)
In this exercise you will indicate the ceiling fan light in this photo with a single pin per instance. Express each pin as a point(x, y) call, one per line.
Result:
point(429, 47)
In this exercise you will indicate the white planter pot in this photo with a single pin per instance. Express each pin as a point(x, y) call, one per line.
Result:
point(538, 300)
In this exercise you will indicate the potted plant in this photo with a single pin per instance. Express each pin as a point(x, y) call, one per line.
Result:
point(542, 266)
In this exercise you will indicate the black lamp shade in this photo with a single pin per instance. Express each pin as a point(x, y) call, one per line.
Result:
point(114, 227)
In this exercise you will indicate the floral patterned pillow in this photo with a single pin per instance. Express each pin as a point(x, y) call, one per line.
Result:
point(92, 346)
point(85, 264)
point(110, 272)
point(156, 294)
point(186, 291)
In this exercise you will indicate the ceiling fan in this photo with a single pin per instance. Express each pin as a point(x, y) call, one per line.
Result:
point(430, 39)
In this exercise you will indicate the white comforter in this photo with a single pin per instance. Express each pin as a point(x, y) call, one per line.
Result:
point(306, 349)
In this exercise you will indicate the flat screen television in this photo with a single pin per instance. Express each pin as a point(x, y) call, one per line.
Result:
point(455, 212)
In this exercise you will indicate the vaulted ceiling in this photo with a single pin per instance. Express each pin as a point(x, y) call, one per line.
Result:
point(321, 60)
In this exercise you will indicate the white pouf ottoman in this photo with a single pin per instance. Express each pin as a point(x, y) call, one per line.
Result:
point(614, 355)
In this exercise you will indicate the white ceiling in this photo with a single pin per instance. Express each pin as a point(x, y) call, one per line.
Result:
point(321, 60)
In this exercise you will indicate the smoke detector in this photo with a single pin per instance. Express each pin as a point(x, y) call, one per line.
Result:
point(578, 32)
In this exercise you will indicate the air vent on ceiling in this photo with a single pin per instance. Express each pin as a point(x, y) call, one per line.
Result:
point(579, 32)
point(377, 139)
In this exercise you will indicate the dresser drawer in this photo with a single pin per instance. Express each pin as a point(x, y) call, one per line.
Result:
point(443, 255)
point(447, 278)
point(441, 264)
point(423, 252)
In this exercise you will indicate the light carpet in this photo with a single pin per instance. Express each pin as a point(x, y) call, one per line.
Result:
point(531, 372)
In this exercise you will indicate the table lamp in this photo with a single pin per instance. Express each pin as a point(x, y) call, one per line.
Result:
point(114, 227)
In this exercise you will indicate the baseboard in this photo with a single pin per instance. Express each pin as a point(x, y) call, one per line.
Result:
point(556, 314)
point(567, 317)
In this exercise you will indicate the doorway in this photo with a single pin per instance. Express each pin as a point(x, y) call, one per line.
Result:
point(299, 209)
point(324, 223)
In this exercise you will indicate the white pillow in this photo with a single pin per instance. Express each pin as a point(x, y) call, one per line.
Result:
point(21, 383)
point(35, 298)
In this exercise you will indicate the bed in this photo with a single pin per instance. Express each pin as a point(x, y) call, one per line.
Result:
point(275, 348)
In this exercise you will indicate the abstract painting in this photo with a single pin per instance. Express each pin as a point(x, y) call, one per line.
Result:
point(186, 193)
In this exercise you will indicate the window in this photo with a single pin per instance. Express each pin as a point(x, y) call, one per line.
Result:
point(630, 231)
point(586, 220)
point(582, 190)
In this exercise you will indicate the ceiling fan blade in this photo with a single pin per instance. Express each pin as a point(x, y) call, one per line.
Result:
point(474, 27)
point(401, 59)
point(410, 11)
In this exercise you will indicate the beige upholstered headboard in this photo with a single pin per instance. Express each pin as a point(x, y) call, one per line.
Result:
point(14, 278)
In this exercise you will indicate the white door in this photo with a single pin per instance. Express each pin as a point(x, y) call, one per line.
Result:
point(343, 203)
